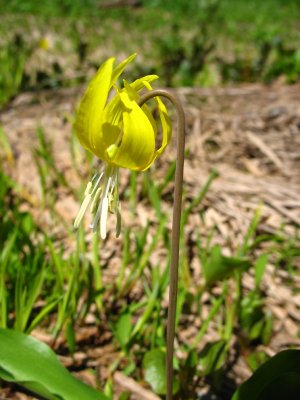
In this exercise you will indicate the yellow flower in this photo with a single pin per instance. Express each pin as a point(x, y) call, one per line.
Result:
point(44, 43)
point(120, 133)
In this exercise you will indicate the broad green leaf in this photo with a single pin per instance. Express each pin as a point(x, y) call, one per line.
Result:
point(6, 375)
point(30, 363)
point(218, 267)
point(277, 379)
point(154, 364)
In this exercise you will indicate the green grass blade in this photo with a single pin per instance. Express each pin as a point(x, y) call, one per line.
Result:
point(33, 292)
point(250, 232)
point(148, 311)
point(6, 253)
point(5, 145)
point(42, 314)
point(169, 177)
point(212, 313)
point(198, 199)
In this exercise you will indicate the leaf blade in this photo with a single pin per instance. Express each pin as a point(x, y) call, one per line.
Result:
point(35, 366)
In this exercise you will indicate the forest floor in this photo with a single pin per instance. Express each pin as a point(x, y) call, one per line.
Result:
point(249, 134)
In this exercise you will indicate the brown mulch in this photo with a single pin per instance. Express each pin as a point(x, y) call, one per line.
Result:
point(249, 134)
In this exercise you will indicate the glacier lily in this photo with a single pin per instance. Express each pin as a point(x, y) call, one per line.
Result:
point(119, 132)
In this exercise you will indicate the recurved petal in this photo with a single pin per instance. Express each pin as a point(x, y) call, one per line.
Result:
point(139, 83)
point(108, 142)
point(166, 126)
point(133, 88)
point(89, 115)
point(137, 145)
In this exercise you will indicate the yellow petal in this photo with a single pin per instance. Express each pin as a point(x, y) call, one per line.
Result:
point(120, 132)
point(166, 126)
point(120, 68)
point(149, 115)
point(133, 88)
point(90, 113)
point(138, 140)
point(107, 143)
point(142, 135)
point(111, 129)
point(139, 84)
point(132, 93)
point(88, 119)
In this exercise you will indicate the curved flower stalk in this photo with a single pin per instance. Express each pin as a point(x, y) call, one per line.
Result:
point(175, 232)
point(122, 133)
point(119, 132)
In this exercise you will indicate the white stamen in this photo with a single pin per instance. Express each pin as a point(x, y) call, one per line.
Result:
point(88, 189)
point(97, 183)
point(103, 218)
point(95, 199)
point(102, 195)
point(82, 210)
point(95, 176)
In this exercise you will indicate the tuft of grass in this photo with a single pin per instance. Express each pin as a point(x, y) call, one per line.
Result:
point(13, 56)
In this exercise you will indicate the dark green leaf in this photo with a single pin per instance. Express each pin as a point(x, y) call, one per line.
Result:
point(277, 379)
point(218, 267)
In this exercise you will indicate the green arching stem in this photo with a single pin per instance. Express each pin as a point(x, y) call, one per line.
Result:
point(175, 229)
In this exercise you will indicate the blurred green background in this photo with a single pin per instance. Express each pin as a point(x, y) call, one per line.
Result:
point(58, 43)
